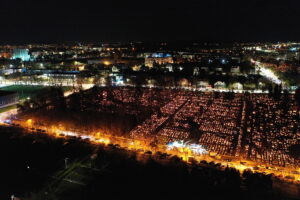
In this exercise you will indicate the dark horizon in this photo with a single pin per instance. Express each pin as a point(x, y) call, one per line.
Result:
point(206, 21)
point(157, 42)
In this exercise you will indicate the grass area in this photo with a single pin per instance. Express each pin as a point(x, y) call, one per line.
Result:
point(7, 108)
point(26, 91)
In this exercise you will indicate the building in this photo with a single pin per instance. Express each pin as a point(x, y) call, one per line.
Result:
point(298, 55)
point(22, 54)
point(202, 84)
point(159, 58)
point(220, 85)
point(9, 71)
point(8, 98)
point(196, 71)
point(235, 70)
point(5, 54)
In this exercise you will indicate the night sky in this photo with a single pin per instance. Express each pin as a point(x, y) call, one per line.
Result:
point(110, 21)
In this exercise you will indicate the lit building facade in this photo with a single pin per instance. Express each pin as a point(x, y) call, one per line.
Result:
point(22, 54)
point(5, 54)
point(159, 58)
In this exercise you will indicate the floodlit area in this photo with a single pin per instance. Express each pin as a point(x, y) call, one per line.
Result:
point(191, 125)
point(268, 73)
point(186, 147)
point(113, 99)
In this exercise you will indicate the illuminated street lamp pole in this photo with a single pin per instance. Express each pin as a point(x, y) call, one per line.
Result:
point(66, 162)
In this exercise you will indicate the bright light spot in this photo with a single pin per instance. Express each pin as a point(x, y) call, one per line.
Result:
point(270, 75)
point(194, 148)
point(197, 149)
point(8, 121)
point(106, 63)
point(29, 121)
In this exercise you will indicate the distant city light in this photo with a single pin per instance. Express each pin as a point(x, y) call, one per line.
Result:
point(160, 55)
point(293, 49)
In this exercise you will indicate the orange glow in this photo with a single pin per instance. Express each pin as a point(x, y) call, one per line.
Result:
point(143, 145)
point(106, 63)
point(29, 122)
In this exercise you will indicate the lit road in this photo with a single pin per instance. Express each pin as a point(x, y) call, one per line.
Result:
point(183, 151)
point(265, 72)
point(7, 115)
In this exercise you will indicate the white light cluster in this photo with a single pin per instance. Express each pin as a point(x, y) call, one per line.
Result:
point(195, 148)
point(270, 75)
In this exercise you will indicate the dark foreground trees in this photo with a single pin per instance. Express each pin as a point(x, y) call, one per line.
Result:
point(30, 161)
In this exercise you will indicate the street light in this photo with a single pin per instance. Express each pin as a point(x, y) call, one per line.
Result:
point(66, 162)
